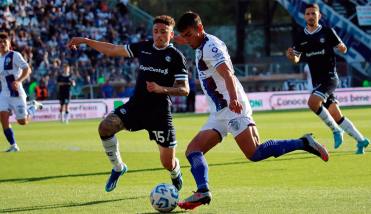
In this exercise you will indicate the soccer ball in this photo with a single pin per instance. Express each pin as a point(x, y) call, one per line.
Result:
point(164, 197)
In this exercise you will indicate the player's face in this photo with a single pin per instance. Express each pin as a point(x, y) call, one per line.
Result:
point(312, 16)
point(162, 34)
point(4, 46)
point(193, 36)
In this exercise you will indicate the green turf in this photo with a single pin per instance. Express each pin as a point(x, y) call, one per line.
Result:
point(63, 169)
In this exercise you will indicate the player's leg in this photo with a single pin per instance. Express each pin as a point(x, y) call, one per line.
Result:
point(61, 109)
point(108, 127)
point(202, 143)
point(348, 127)
point(8, 131)
point(171, 163)
point(67, 113)
point(247, 137)
point(315, 103)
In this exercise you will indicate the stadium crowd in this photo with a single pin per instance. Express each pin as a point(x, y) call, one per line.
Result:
point(40, 29)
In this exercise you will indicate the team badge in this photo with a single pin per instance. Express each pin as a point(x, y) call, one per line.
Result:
point(234, 124)
point(168, 58)
point(214, 49)
point(123, 111)
point(322, 40)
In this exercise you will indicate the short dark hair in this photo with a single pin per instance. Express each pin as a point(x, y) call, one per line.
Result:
point(164, 19)
point(4, 35)
point(188, 19)
point(315, 6)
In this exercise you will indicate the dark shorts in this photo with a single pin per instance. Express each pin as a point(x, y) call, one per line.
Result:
point(159, 125)
point(64, 98)
point(325, 90)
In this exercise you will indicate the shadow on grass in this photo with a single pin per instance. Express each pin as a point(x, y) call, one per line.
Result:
point(287, 157)
point(65, 205)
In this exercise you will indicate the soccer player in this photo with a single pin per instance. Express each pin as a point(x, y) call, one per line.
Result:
point(13, 71)
point(316, 43)
point(230, 111)
point(162, 73)
point(65, 82)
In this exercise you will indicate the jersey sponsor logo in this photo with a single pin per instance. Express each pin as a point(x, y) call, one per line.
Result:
point(152, 69)
point(145, 52)
point(303, 43)
point(314, 53)
point(168, 58)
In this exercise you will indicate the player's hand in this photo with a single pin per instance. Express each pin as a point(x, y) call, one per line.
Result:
point(180, 40)
point(75, 42)
point(290, 53)
point(235, 106)
point(154, 87)
point(15, 85)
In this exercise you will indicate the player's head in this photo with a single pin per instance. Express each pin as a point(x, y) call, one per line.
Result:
point(163, 30)
point(312, 15)
point(191, 29)
point(66, 68)
point(4, 42)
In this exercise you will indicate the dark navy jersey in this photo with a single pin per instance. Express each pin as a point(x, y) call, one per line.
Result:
point(65, 83)
point(162, 66)
point(317, 49)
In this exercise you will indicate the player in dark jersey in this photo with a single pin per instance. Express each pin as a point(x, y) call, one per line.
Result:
point(315, 45)
point(162, 72)
point(65, 82)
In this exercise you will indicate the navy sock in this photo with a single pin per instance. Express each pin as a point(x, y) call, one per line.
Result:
point(200, 170)
point(276, 148)
point(9, 134)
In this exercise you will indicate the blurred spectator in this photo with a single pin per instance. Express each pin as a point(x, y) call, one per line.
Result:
point(41, 90)
point(107, 89)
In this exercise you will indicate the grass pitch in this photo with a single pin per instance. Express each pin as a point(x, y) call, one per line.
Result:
point(63, 169)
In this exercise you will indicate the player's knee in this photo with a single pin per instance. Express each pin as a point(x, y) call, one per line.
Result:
point(105, 129)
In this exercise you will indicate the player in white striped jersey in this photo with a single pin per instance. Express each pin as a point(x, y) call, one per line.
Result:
point(13, 71)
point(230, 111)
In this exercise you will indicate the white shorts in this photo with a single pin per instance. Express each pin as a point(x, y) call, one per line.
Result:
point(17, 104)
point(226, 121)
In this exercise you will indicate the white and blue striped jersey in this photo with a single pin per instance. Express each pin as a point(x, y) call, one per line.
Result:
point(211, 53)
point(11, 65)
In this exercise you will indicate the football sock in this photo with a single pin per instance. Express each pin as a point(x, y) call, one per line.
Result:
point(62, 117)
point(31, 110)
point(111, 146)
point(349, 128)
point(66, 116)
point(199, 169)
point(276, 148)
point(176, 171)
point(327, 118)
point(9, 134)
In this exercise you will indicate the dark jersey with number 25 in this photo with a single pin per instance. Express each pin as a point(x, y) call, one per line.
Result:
point(317, 49)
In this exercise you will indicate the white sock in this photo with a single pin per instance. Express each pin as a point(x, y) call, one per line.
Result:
point(111, 146)
point(62, 117)
point(327, 118)
point(176, 171)
point(349, 128)
point(31, 110)
point(66, 117)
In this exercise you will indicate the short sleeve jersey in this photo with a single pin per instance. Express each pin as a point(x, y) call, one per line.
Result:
point(11, 65)
point(212, 53)
point(65, 88)
point(162, 66)
point(317, 49)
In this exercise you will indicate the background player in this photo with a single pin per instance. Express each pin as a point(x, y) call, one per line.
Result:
point(162, 72)
point(230, 111)
point(316, 43)
point(13, 71)
point(65, 82)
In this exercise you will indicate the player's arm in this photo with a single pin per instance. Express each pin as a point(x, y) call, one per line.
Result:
point(290, 54)
point(25, 73)
point(226, 73)
point(106, 48)
point(180, 88)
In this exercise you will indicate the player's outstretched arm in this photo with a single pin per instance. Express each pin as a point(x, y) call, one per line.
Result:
point(106, 48)
point(226, 73)
point(180, 88)
point(291, 55)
